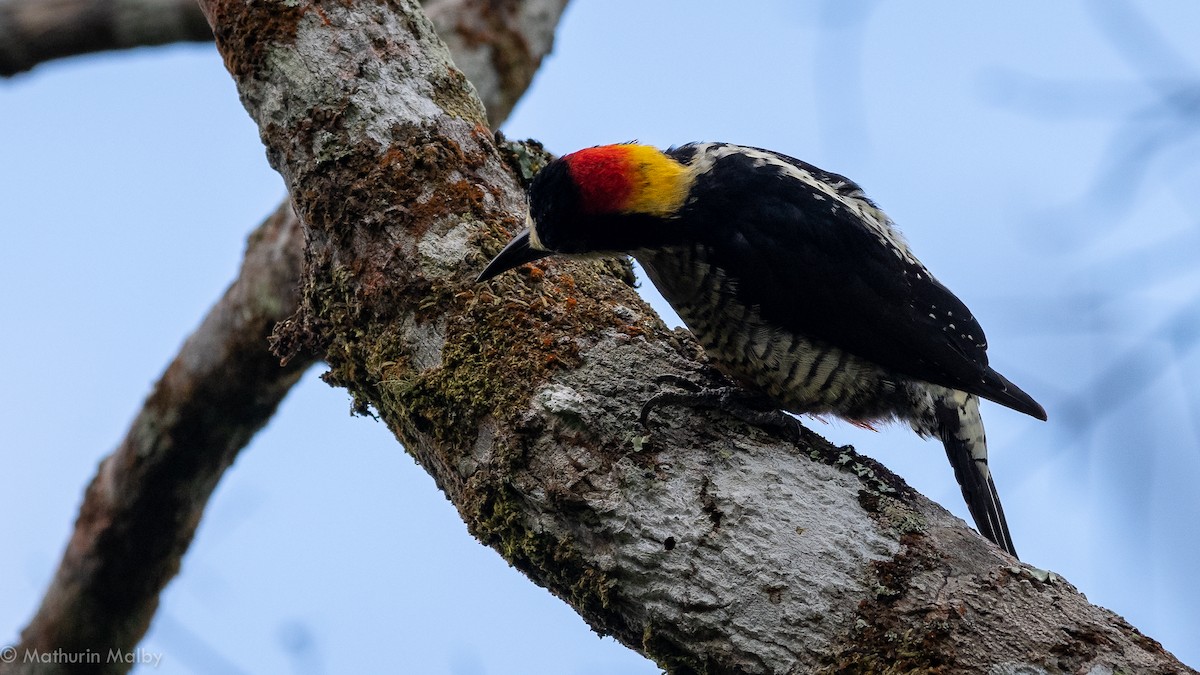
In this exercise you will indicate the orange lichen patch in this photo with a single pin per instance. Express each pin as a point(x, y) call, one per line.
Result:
point(246, 32)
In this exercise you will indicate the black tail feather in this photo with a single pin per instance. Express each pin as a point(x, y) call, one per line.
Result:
point(973, 477)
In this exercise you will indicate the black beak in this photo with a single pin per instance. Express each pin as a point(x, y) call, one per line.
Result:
point(518, 252)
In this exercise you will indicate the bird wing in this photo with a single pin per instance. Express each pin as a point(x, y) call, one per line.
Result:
point(818, 258)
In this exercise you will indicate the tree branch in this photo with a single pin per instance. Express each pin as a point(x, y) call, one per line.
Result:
point(709, 547)
point(499, 44)
point(141, 510)
point(36, 31)
point(149, 495)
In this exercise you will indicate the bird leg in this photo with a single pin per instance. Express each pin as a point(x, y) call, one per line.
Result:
point(750, 407)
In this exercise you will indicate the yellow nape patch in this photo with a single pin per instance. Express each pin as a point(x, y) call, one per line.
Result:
point(659, 184)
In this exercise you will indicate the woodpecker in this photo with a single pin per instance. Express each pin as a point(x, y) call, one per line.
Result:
point(796, 284)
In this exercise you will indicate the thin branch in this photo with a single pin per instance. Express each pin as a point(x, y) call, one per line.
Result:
point(707, 546)
point(36, 31)
point(498, 45)
point(141, 510)
point(1142, 46)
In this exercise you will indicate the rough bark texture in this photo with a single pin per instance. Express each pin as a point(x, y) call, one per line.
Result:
point(498, 44)
point(708, 546)
point(35, 31)
point(141, 510)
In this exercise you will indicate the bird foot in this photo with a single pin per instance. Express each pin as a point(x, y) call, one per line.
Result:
point(749, 407)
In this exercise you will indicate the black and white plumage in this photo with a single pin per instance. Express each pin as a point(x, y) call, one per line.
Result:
point(795, 283)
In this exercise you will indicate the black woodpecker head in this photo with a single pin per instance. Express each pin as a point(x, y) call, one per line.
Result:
point(607, 199)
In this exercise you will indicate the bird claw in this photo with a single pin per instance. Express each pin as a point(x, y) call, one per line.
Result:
point(678, 381)
point(749, 407)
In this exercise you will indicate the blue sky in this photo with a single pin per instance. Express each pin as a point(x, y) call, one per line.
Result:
point(1026, 152)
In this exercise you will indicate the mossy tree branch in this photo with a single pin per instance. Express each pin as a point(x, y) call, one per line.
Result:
point(499, 44)
point(142, 509)
point(709, 547)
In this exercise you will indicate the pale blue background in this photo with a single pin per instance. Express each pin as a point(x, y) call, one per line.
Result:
point(1040, 157)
